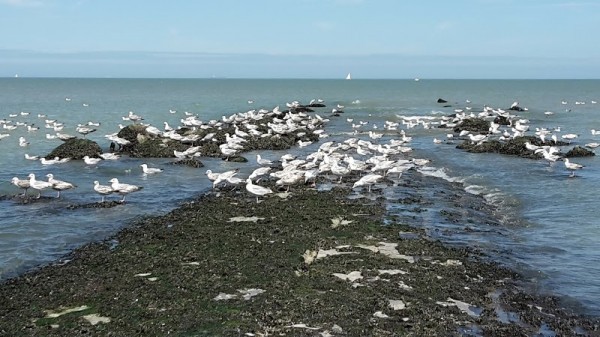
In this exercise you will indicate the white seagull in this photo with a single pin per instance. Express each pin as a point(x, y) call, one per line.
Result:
point(257, 189)
point(368, 180)
point(150, 170)
point(59, 185)
point(263, 161)
point(91, 161)
point(572, 166)
point(123, 189)
point(38, 185)
point(21, 183)
point(103, 190)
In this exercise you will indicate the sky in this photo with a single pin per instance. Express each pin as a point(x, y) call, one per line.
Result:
point(372, 39)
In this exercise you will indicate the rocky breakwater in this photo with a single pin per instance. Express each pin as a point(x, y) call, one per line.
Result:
point(226, 138)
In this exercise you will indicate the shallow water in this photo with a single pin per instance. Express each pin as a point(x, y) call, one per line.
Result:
point(549, 226)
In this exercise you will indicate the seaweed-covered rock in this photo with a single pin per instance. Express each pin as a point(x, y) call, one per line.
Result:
point(76, 148)
point(191, 162)
point(515, 147)
point(579, 151)
point(474, 125)
point(502, 120)
point(145, 145)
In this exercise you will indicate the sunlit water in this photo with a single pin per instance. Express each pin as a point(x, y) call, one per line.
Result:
point(550, 225)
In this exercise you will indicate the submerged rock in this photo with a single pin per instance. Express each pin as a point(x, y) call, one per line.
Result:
point(191, 162)
point(76, 148)
point(579, 151)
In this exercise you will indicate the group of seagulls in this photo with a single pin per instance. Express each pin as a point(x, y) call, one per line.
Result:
point(516, 127)
point(362, 162)
point(60, 185)
point(40, 185)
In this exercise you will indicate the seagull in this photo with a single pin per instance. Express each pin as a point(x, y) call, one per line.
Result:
point(21, 183)
point(91, 161)
point(263, 161)
point(257, 189)
point(368, 180)
point(150, 170)
point(23, 142)
point(84, 130)
point(59, 185)
point(110, 156)
point(224, 176)
point(261, 171)
point(29, 157)
point(103, 190)
point(38, 185)
point(123, 189)
point(572, 166)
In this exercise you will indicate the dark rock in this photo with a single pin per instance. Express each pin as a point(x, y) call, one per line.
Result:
point(145, 145)
point(105, 204)
point(502, 120)
point(477, 125)
point(191, 162)
point(579, 151)
point(76, 148)
point(514, 147)
point(441, 100)
point(236, 159)
point(316, 105)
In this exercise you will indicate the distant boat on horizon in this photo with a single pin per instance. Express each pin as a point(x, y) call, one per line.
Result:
point(348, 77)
point(417, 79)
point(16, 75)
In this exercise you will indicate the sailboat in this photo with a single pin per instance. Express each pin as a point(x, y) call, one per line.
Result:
point(348, 77)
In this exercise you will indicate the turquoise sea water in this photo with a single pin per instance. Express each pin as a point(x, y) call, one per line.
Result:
point(552, 229)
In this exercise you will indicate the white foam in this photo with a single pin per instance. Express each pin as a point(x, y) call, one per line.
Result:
point(438, 173)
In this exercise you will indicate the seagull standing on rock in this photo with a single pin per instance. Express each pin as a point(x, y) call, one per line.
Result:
point(103, 190)
point(123, 189)
point(257, 189)
point(21, 183)
point(38, 185)
point(59, 185)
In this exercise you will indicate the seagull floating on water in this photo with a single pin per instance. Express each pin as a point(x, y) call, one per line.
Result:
point(91, 161)
point(150, 170)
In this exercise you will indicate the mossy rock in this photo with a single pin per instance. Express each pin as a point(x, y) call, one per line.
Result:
point(579, 151)
point(474, 125)
point(76, 148)
point(191, 162)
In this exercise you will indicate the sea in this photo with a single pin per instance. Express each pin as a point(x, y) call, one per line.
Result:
point(550, 226)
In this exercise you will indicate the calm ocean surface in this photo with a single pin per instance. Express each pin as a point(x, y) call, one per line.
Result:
point(552, 230)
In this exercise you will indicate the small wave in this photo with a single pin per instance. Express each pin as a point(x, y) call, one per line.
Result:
point(438, 173)
point(475, 189)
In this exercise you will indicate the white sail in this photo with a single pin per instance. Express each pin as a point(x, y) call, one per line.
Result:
point(348, 77)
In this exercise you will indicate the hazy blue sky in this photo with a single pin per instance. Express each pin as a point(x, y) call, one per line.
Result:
point(301, 38)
